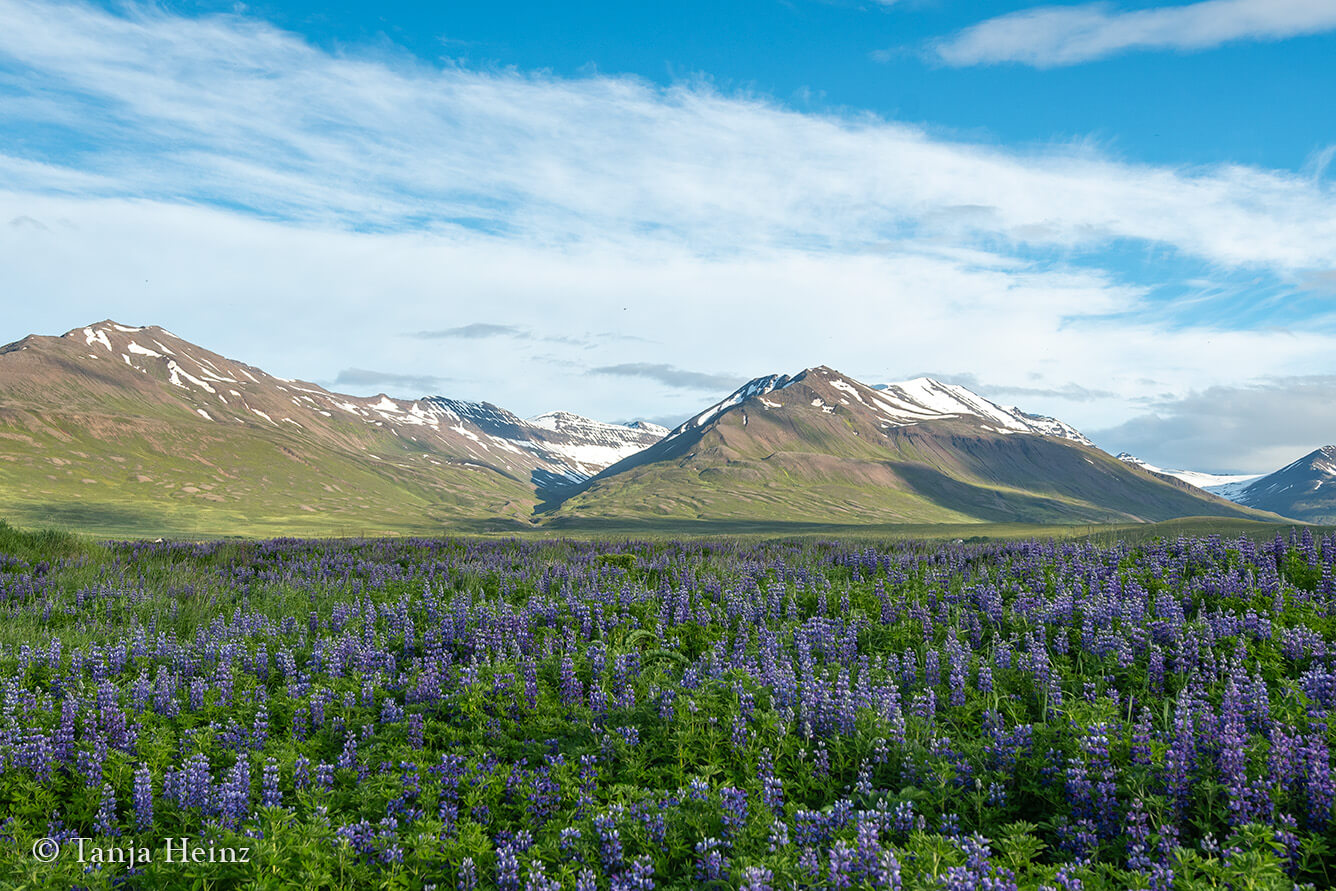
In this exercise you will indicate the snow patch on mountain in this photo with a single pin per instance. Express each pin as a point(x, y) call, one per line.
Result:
point(1226, 485)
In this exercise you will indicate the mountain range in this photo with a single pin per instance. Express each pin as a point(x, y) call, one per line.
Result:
point(127, 429)
point(117, 427)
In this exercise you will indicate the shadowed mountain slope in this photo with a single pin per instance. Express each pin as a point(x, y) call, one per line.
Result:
point(1304, 490)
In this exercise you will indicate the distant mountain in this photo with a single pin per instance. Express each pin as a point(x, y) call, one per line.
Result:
point(1225, 485)
point(820, 446)
point(1304, 490)
point(114, 427)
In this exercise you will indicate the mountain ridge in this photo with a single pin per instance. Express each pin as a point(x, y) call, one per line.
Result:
point(821, 444)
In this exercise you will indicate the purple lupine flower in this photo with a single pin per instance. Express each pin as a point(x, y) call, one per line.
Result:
point(978, 873)
point(1319, 784)
point(779, 835)
point(143, 798)
point(1139, 753)
point(639, 877)
point(904, 820)
point(887, 872)
point(609, 840)
point(733, 811)
point(756, 878)
point(105, 820)
point(711, 864)
point(270, 796)
point(572, 691)
point(235, 793)
point(809, 863)
point(1138, 837)
point(507, 869)
point(772, 787)
point(538, 880)
point(467, 877)
point(840, 870)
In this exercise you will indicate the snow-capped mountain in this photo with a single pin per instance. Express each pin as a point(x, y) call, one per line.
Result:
point(1225, 485)
point(1304, 490)
point(576, 446)
point(924, 399)
point(823, 446)
point(130, 428)
point(904, 404)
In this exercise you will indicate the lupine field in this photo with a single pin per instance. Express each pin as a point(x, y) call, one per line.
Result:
point(459, 714)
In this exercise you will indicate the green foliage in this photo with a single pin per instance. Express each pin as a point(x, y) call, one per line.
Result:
point(40, 544)
point(643, 753)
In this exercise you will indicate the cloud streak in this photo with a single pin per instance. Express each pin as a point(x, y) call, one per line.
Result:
point(1054, 36)
point(475, 331)
point(362, 378)
point(671, 376)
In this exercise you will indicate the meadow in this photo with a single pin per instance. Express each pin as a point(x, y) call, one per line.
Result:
point(619, 714)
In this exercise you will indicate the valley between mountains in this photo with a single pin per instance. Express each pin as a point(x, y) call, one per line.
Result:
point(132, 430)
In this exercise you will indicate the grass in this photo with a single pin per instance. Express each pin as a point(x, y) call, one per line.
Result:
point(27, 537)
point(40, 544)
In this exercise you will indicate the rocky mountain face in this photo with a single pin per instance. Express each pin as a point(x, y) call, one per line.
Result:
point(823, 446)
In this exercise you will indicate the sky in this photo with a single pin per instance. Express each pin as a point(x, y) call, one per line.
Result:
point(1119, 214)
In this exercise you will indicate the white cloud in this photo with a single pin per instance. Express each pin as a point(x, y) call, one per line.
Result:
point(1256, 428)
point(1051, 36)
point(310, 302)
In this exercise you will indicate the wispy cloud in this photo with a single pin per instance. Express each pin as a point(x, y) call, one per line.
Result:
point(671, 376)
point(24, 220)
point(414, 384)
point(1255, 428)
point(1052, 36)
point(475, 331)
point(231, 111)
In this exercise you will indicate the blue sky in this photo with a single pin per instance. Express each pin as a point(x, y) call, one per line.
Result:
point(1120, 214)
